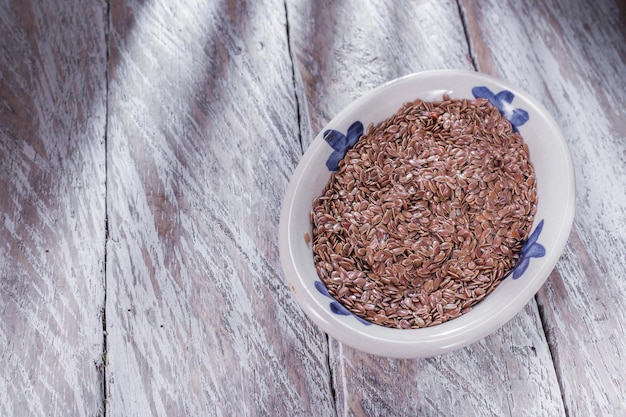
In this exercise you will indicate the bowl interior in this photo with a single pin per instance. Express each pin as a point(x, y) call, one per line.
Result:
point(553, 220)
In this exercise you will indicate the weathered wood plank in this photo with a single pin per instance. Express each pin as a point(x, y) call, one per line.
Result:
point(52, 211)
point(505, 374)
point(203, 135)
point(343, 50)
point(572, 56)
point(202, 139)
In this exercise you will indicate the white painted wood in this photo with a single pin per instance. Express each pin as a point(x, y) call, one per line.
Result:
point(203, 136)
point(52, 211)
point(181, 124)
point(342, 51)
point(509, 373)
point(572, 56)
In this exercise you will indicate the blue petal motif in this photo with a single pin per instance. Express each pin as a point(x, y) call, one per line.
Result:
point(341, 143)
point(503, 102)
point(531, 249)
point(518, 117)
point(501, 99)
point(335, 306)
point(322, 289)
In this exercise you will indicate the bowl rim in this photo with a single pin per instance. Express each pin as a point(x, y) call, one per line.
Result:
point(448, 336)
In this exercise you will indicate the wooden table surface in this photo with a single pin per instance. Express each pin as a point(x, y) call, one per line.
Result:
point(145, 147)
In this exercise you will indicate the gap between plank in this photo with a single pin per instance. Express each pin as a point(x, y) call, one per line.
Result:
point(293, 77)
point(546, 333)
point(333, 392)
point(107, 30)
point(468, 38)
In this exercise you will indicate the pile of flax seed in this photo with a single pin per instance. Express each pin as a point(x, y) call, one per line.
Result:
point(426, 214)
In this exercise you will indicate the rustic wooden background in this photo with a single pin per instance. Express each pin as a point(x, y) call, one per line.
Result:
point(145, 147)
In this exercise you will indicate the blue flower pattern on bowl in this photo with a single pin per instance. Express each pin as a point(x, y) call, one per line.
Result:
point(504, 102)
point(531, 249)
point(341, 143)
point(335, 306)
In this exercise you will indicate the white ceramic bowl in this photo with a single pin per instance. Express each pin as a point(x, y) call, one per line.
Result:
point(553, 220)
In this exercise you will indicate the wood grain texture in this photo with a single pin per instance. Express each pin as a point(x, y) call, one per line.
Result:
point(145, 147)
point(342, 51)
point(203, 136)
point(506, 374)
point(572, 57)
point(52, 211)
